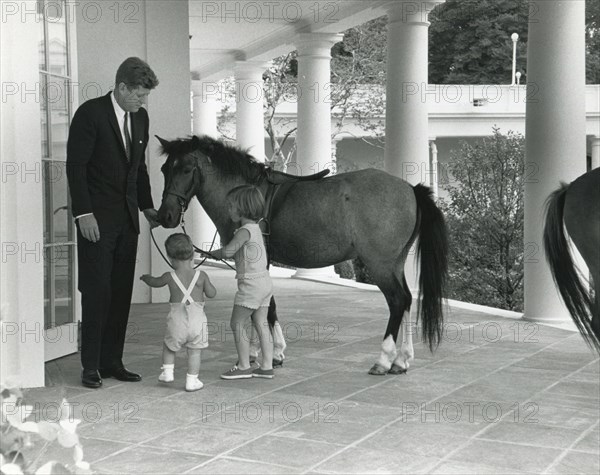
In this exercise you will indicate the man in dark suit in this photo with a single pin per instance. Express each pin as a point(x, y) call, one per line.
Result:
point(108, 182)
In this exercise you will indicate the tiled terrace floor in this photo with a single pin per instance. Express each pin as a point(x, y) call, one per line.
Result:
point(498, 396)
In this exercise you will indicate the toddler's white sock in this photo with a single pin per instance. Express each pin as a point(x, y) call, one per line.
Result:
point(167, 373)
point(192, 383)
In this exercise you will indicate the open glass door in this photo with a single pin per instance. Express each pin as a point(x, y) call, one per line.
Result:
point(60, 308)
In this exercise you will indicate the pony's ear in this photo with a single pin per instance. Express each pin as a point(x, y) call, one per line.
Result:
point(163, 142)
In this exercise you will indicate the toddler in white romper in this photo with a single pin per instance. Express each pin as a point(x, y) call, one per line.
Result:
point(186, 321)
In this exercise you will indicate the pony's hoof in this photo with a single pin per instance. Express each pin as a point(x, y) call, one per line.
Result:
point(378, 370)
point(277, 363)
point(395, 369)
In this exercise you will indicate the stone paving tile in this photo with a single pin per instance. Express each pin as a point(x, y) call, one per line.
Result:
point(556, 415)
point(150, 460)
point(528, 433)
point(203, 438)
point(234, 466)
point(95, 449)
point(133, 429)
point(341, 422)
point(506, 456)
point(399, 391)
point(297, 453)
point(577, 462)
point(590, 443)
point(359, 460)
point(452, 467)
point(422, 436)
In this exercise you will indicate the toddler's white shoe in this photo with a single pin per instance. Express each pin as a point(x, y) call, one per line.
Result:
point(167, 374)
point(192, 383)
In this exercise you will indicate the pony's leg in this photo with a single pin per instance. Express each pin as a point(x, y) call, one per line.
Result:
point(279, 345)
point(407, 352)
point(393, 295)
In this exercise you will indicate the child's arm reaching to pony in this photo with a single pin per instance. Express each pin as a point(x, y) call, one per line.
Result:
point(156, 281)
point(229, 250)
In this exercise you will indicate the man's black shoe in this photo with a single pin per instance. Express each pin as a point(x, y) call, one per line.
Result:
point(90, 378)
point(121, 374)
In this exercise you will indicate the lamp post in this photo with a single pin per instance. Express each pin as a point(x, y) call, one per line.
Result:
point(514, 37)
point(518, 76)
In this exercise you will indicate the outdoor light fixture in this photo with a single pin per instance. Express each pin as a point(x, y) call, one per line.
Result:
point(514, 37)
point(518, 76)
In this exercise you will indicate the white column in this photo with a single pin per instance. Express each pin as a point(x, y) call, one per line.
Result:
point(21, 202)
point(204, 122)
point(250, 127)
point(555, 137)
point(314, 114)
point(168, 107)
point(434, 168)
point(406, 152)
point(595, 146)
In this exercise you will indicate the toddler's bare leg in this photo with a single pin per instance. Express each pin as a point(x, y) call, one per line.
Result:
point(259, 317)
point(168, 355)
point(193, 361)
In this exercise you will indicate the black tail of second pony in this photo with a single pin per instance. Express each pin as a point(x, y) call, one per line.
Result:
point(564, 272)
point(432, 248)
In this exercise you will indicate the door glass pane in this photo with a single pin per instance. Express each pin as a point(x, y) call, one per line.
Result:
point(63, 284)
point(57, 95)
point(47, 289)
point(57, 37)
point(57, 177)
point(44, 117)
point(42, 42)
point(47, 204)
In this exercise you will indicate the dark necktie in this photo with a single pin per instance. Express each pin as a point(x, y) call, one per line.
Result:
point(127, 138)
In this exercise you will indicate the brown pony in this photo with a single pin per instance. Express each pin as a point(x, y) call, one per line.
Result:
point(578, 206)
point(317, 223)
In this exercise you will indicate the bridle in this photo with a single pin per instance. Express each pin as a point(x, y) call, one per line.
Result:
point(183, 200)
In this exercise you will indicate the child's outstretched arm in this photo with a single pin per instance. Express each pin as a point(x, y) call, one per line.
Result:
point(208, 288)
point(227, 251)
point(156, 281)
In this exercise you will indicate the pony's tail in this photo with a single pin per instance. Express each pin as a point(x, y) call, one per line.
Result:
point(564, 272)
point(432, 248)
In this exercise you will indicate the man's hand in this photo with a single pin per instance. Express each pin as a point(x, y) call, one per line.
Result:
point(152, 217)
point(89, 228)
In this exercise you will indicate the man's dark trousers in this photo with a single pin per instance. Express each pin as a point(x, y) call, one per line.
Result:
point(108, 266)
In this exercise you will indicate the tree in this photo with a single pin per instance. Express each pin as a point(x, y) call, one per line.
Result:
point(469, 41)
point(485, 220)
point(592, 52)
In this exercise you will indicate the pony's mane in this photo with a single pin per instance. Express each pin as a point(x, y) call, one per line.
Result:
point(228, 159)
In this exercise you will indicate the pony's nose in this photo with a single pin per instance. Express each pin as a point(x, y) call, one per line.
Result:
point(169, 218)
point(166, 218)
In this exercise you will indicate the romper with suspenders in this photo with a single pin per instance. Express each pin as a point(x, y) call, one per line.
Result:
point(186, 322)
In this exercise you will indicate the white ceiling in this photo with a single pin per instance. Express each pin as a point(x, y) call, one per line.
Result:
point(227, 31)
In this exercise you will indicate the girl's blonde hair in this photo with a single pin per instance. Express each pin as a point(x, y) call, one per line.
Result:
point(248, 200)
point(179, 246)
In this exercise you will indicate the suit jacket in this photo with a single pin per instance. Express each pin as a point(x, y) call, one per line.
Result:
point(101, 179)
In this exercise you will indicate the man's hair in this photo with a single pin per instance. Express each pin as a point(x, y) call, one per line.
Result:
point(179, 246)
point(135, 73)
point(248, 200)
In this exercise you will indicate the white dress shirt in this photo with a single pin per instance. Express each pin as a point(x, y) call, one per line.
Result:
point(120, 113)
